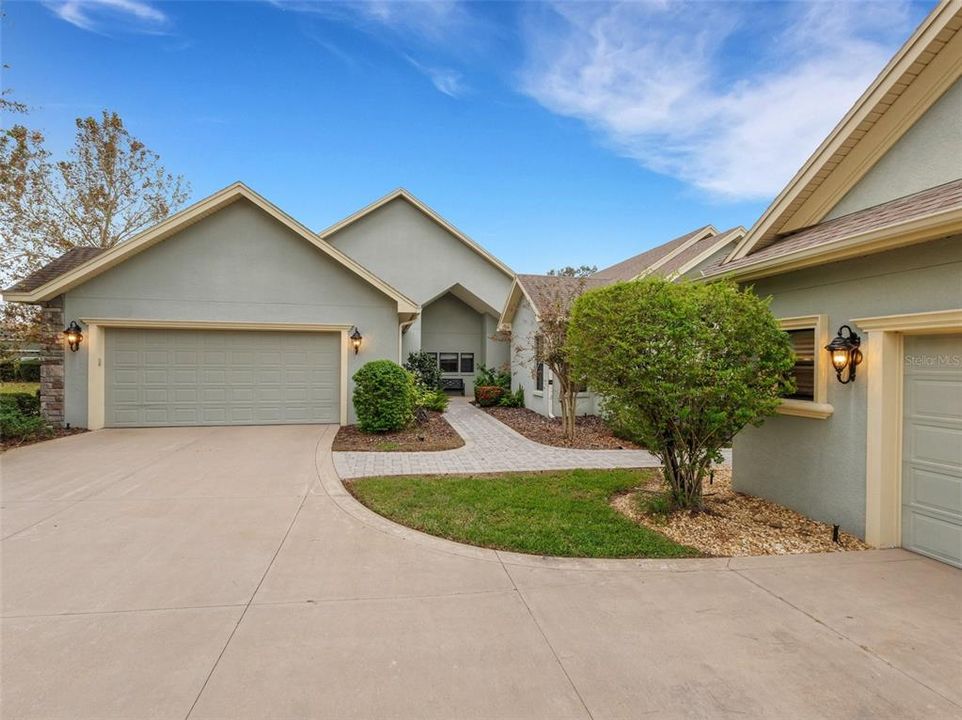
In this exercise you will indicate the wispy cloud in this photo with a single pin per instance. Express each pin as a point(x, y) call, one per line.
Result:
point(430, 20)
point(101, 15)
point(725, 97)
point(428, 27)
point(445, 80)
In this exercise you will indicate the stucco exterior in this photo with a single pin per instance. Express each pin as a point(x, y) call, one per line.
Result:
point(523, 331)
point(422, 259)
point(236, 265)
point(818, 466)
point(929, 154)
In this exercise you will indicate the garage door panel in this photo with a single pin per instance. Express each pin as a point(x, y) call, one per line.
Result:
point(932, 448)
point(183, 377)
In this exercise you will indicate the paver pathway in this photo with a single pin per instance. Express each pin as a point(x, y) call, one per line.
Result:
point(489, 446)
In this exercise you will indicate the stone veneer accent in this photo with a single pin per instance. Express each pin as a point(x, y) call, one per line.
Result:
point(51, 363)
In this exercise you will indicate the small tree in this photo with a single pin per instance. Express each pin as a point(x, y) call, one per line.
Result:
point(425, 367)
point(550, 344)
point(683, 367)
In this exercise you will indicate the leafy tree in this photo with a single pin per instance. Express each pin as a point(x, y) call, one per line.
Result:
point(108, 188)
point(425, 367)
point(683, 367)
point(570, 271)
point(550, 344)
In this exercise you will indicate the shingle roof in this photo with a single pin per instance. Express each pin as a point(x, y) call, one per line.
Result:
point(691, 252)
point(900, 210)
point(635, 266)
point(55, 268)
point(545, 289)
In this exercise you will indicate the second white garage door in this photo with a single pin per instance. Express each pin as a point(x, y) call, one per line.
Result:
point(220, 377)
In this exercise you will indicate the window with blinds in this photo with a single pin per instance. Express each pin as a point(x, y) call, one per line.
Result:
point(803, 342)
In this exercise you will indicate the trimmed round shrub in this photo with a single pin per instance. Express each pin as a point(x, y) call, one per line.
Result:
point(488, 395)
point(384, 395)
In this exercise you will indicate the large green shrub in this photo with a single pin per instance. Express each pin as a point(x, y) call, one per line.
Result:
point(683, 367)
point(492, 377)
point(384, 395)
point(20, 417)
point(425, 367)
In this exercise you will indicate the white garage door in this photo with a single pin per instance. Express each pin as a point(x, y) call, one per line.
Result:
point(220, 377)
point(932, 447)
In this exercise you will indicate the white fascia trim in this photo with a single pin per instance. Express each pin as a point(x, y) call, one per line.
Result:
point(706, 232)
point(890, 74)
point(731, 236)
point(183, 219)
point(405, 195)
point(515, 294)
point(928, 227)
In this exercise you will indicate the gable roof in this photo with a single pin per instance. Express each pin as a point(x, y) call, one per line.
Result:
point(935, 212)
point(402, 194)
point(541, 290)
point(650, 260)
point(53, 269)
point(54, 283)
point(919, 73)
point(697, 252)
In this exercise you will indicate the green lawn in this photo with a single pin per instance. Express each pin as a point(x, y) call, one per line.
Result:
point(562, 513)
point(19, 387)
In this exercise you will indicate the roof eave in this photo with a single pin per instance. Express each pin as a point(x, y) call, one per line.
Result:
point(921, 229)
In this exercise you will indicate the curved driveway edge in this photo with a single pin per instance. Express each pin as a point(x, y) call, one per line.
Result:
point(489, 446)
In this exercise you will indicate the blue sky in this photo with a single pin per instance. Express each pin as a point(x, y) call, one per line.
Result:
point(551, 133)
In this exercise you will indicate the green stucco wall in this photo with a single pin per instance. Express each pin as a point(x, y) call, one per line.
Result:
point(818, 466)
point(929, 154)
point(237, 265)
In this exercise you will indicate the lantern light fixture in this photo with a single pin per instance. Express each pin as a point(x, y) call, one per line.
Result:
point(845, 353)
point(356, 338)
point(73, 335)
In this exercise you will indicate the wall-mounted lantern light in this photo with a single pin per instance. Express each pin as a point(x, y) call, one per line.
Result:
point(356, 338)
point(845, 353)
point(73, 335)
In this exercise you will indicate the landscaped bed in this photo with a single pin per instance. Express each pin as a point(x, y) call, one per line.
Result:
point(733, 523)
point(434, 433)
point(565, 513)
point(592, 433)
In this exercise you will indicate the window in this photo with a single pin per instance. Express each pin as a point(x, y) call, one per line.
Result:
point(803, 343)
point(467, 362)
point(539, 371)
point(448, 362)
point(808, 336)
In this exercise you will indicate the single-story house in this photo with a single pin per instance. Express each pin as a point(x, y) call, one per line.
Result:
point(530, 296)
point(232, 312)
point(866, 240)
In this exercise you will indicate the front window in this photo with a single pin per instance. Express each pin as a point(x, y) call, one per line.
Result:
point(467, 362)
point(448, 362)
point(803, 343)
point(539, 370)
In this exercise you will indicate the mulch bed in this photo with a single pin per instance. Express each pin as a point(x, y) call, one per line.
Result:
point(11, 443)
point(433, 434)
point(591, 433)
point(735, 524)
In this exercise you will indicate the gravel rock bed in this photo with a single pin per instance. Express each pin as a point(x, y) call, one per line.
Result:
point(433, 434)
point(591, 431)
point(736, 524)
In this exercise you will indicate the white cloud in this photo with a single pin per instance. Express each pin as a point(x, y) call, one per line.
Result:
point(730, 98)
point(429, 20)
point(445, 80)
point(93, 15)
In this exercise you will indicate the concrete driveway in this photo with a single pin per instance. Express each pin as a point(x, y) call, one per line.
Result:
point(224, 572)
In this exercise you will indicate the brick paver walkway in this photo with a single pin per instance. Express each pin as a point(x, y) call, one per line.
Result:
point(489, 446)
